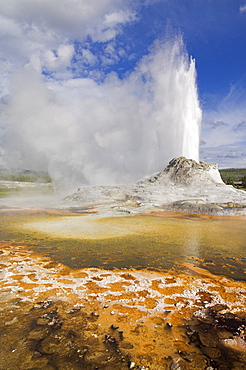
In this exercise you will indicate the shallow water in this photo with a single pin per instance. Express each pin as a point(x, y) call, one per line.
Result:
point(217, 244)
point(168, 293)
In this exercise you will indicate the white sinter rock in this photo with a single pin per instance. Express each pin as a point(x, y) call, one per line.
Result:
point(184, 185)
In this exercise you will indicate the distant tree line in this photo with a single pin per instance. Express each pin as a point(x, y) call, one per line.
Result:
point(234, 176)
point(24, 176)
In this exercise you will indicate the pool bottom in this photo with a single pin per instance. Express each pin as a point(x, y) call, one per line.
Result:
point(140, 242)
point(56, 317)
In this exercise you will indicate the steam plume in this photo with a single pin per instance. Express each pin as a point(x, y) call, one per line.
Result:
point(116, 131)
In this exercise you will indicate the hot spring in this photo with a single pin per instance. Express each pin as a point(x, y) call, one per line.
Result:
point(85, 292)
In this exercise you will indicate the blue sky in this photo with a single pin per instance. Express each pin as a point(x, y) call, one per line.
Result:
point(214, 33)
point(82, 79)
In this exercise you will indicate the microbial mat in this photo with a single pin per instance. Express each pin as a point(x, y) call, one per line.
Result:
point(159, 291)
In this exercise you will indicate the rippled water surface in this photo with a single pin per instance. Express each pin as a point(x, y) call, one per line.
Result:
point(218, 244)
point(142, 292)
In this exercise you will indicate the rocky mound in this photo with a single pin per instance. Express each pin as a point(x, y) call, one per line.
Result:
point(183, 171)
point(183, 186)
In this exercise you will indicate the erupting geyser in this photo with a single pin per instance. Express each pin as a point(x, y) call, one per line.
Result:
point(177, 111)
point(117, 130)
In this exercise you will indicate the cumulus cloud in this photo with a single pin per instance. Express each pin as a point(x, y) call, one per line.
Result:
point(111, 25)
point(70, 18)
point(40, 31)
point(59, 59)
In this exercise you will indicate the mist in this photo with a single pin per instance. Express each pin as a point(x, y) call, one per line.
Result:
point(85, 132)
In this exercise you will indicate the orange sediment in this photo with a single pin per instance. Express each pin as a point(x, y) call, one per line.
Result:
point(114, 319)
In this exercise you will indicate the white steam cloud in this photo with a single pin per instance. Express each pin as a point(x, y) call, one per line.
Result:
point(92, 130)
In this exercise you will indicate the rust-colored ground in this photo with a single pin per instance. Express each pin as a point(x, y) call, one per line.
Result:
point(54, 317)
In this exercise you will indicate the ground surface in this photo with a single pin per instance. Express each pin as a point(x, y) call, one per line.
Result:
point(53, 317)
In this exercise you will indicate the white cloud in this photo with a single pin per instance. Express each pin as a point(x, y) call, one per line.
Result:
point(41, 33)
point(59, 60)
point(109, 132)
point(242, 8)
point(81, 130)
point(111, 25)
point(89, 58)
point(224, 130)
point(28, 27)
point(9, 28)
point(72, 18)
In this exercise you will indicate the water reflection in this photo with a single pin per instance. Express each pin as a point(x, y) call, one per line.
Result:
point(141, 242)
point(148, 304)
point(192, 242)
